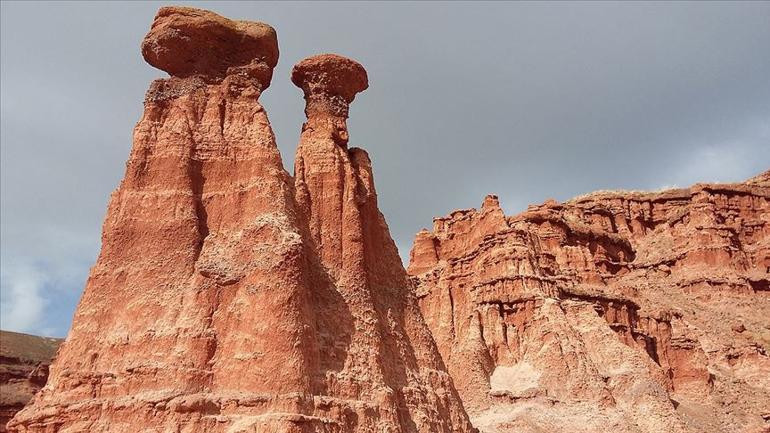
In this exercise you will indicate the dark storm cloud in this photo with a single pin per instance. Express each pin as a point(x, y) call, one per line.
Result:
point(526, 100)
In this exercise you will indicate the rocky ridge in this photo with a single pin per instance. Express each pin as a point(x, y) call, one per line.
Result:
point(221, 300)
point(627, 311)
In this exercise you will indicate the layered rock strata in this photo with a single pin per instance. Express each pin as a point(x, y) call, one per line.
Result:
point(633, 312)
point(24, 362)
point(374, 345)
point(217, 302)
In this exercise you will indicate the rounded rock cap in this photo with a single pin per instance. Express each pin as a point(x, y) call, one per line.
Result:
point(188, 41)
point(490, 202)
point(331, 74)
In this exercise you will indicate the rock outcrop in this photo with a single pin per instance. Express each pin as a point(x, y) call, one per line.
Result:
point(223, 299)
point(618, 311)
point(24, 361)
point(232, 297)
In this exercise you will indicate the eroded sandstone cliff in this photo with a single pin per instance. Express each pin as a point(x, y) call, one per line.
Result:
point(24, 362)
point(224, 299)
point(614, 311)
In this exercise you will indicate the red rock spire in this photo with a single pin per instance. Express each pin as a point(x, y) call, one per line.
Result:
point(211, 307)
point(195, 315)
point(390, 349)
point(334, 185)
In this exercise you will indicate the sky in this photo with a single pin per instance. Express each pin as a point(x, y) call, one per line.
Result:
point(529, 101)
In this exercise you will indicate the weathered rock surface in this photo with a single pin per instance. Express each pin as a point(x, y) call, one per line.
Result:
point(24, 361)
point(232, 297)
point(188, 42)
point(614, 311)
point(221, 300)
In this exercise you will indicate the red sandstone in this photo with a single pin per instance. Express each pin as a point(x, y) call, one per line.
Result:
point(221, 300)
point(616, 310)
point(232, 297)
point(24, 362)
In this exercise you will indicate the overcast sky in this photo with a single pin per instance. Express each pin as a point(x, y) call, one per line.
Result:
point(526, 100)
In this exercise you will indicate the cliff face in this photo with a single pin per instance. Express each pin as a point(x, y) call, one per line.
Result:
point(24, 362)
point(633, 312)
point(221, 301)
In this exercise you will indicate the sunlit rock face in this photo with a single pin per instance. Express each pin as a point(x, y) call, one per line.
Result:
point(614, 311)
point(221, 301)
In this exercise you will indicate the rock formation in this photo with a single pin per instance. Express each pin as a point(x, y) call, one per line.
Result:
point(231, 297)
point(616, 311)
point(388, 357)
point(224, 300)
point(24, 361)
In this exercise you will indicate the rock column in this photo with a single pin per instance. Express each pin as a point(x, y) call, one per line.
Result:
point(390, 353)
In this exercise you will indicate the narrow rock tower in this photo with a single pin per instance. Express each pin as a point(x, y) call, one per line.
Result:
point(388, 357)
point(212, 307)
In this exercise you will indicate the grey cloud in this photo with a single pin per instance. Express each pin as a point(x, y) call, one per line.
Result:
point(526, 100)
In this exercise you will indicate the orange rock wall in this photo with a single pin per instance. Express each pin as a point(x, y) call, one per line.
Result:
point(671, 275)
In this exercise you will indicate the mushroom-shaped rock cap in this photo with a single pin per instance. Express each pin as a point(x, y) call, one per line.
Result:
point(187, 41)
point(330, 74)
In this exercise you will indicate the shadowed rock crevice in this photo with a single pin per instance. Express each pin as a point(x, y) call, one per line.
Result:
point(201, 216)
